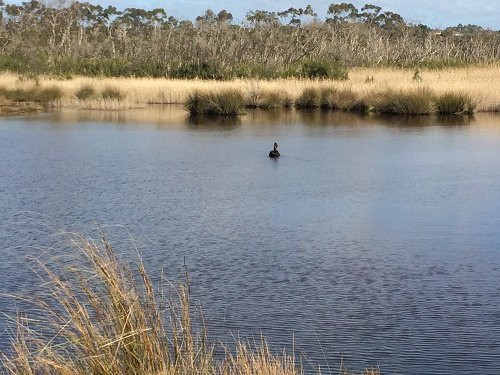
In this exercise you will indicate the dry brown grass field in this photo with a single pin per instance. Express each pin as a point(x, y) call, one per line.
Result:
point(482, 84)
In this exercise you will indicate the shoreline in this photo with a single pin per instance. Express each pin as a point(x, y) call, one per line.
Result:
point(173, 116)
point(481, 84)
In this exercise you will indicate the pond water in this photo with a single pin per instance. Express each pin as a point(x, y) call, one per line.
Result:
point(372, 238)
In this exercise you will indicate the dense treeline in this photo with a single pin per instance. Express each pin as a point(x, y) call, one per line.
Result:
point(80, 38)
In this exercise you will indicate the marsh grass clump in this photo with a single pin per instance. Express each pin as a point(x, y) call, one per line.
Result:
point(32, 95)
point(455, 104)
point(4, 101)
point(112, 93)
point(309, 98)
point(275, 99)
point(48, 94)
point(328, 98)
point(8, 107)
point(414, 102)
point(344, 99)
point(331, 98)
point(227, 102)
point(85, 92)
point(253, 95)
point(15, 95)
point(198, 103)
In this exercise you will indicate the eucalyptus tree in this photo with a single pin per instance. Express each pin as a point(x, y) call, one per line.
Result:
point(295, 15)
point(342, 13)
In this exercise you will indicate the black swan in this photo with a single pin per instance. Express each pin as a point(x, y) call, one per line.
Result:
point(274, 153)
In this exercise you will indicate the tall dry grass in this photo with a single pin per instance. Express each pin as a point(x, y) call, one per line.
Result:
point(102, 317)
point(482, 84)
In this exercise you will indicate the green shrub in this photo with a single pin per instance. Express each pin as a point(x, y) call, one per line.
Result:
point(441, 64)
point(259, 71)
point(202, 70)
point(455, 104)
point(310, 98)
point(112, 93)
point(85, 92)
point(227, 102)
point(8, 62)
point(323, 68)
point(416, 102)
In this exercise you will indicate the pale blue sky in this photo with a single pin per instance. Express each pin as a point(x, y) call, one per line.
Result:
point(435, 13)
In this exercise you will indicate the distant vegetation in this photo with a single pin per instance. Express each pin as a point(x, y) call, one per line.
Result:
point(83, 39)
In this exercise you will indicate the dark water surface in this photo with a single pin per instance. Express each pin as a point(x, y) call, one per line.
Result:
point(373, 238)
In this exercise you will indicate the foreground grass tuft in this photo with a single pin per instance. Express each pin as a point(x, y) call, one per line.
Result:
point(99, 316)
point(107, 319)
point(225, 102)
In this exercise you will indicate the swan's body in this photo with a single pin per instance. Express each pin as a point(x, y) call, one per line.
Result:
point(274, 153)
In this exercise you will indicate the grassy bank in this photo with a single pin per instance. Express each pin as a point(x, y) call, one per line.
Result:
point(479, 84)
point(103, 317)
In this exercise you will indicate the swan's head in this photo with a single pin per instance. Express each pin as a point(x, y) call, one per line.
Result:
point(275, 145)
